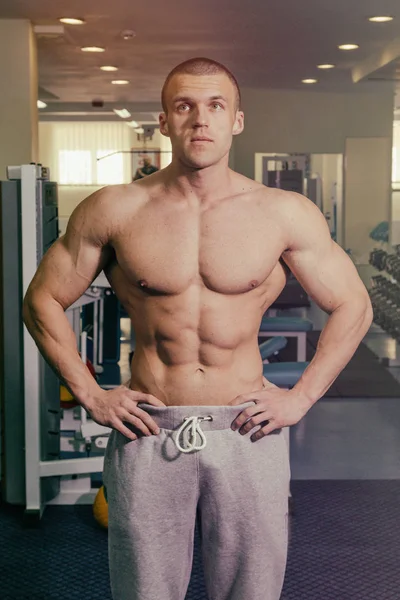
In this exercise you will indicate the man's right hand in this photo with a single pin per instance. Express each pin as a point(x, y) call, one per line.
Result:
point(119, 405)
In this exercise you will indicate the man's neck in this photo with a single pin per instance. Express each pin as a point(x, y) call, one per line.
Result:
point(201, 185)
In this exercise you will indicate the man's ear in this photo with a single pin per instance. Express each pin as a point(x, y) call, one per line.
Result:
point(163, 124)
point(239, 123)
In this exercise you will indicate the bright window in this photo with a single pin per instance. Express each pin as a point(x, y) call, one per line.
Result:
point(75, 167)
point(110, 167)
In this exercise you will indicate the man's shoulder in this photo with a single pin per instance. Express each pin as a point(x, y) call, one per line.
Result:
point(285, 200)
point(289, 210)
point(114, 197)
point(110, 205)
point(296, 214)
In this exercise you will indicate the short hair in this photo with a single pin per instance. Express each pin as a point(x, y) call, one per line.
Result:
point(200, 66)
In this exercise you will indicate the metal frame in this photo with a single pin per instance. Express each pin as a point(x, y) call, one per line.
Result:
point(35, 468)
point(31, 352)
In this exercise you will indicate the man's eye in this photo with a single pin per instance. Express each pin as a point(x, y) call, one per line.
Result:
point(217, 105)
point(183, 107)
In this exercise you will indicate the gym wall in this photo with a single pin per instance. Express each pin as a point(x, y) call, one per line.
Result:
point(309, 122)
point(321, 123)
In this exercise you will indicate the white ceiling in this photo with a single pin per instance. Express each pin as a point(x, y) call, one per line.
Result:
point(266, 43)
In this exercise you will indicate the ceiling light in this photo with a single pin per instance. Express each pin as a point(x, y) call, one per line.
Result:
point(139, 130)
point(109, 68)
point(348, 47)
point(92, 49)
point(128, 34)
point(123, 113)
point(41, 104)
point(309, 80)
point(69, 21)
point(327, 66)
point(133, 124)
point(380, 19)
point(120, 81)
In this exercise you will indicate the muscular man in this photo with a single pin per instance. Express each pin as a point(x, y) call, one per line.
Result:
point(193, 253)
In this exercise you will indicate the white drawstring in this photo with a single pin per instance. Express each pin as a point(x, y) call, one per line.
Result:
point(191, 426)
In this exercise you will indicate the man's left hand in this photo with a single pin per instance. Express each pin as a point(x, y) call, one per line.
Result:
point(275, 408)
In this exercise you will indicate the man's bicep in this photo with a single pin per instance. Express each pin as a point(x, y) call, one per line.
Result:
point(320, 265)
point(74, 260)
point(64, 276)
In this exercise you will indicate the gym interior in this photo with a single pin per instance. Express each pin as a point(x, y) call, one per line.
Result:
point(79, 110)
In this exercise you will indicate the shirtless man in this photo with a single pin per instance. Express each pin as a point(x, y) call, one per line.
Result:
point(193, 253)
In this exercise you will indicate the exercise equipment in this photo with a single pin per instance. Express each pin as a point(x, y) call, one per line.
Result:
point(32, 472)
point(271, 348)
point(288, 327)
point(29, 225)
point(377, 258)
point(380, 233)
point(100, 508)
point(385, 298)
point(102, 320)
point(284, 374)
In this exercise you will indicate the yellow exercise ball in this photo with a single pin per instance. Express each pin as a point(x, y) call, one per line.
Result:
point(100, 508)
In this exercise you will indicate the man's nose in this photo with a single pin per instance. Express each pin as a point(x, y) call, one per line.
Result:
point(200, 117)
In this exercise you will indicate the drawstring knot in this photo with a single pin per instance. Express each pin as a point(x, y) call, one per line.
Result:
point(189, 430)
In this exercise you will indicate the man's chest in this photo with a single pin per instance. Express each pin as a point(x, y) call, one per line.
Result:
point(229, 252)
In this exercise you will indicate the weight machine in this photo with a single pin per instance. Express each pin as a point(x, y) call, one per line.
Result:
point(32, 422)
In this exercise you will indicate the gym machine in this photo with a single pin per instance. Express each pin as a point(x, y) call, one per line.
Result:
point(29, 225)
point(35, 431)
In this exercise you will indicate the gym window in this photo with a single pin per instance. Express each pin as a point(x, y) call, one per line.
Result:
point(110, 169)
point(75, 167)
point(71, 150)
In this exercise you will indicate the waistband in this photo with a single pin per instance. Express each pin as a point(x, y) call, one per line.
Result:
point(171, 417)
point(193, 421)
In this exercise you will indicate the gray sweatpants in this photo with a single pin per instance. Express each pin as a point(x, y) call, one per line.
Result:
point(197, 468)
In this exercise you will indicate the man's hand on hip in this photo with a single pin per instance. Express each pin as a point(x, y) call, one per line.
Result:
point(275, 408)
point(117, 406)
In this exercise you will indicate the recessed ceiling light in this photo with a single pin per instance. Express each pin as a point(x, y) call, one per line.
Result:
point(309, 80)
point(128, 34)
point(92, 49)
point(122, 112)
point(381, 19)
point(327, 66)
point(133, 124)
point(69, 21)
point(41, 104)
point(348, 47)
point(109, 68)
point(120, 81)
point(139, 130)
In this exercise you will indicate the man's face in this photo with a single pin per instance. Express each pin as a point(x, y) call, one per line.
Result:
point(202, 118)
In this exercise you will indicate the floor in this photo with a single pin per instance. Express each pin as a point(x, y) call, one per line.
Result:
point(344, 545)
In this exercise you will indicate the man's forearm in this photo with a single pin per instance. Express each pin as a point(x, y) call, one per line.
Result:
point(342, 334)
point(47, 323)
